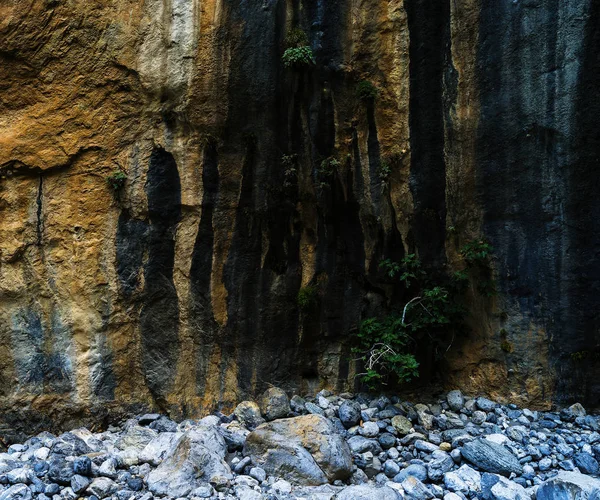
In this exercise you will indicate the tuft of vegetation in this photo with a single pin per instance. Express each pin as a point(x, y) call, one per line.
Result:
point(383, 346)
point(290, 170)
point(385, 171)
point(298, 57)
point(116, 180)
point(579, 355)
point(307, 297)
point(327, 169)
point(366, 91)
point(477, 252)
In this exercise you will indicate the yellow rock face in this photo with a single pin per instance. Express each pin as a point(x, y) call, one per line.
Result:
point(179, 290)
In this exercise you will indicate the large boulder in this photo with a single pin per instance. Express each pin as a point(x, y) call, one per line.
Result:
point(199, 457)
point(136, 437)
point(491, 457)
point(456, 401)
point(274, 404)
point(248, 413)
point(16, 492)
point(157, 449)
point(569, 486)
point(70, 445)
point(306, 450)
point(349, 413)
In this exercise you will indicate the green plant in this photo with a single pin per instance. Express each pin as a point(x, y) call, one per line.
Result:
point(298, 57)
point(327, 169)
point(476, 252)
point(385, 171)
point(506, 346)
point(366, 91)
point(116, 180)
point(409, 269)
point(382, 347)
point(289, 163)
point(307, 297)
point(579, 355)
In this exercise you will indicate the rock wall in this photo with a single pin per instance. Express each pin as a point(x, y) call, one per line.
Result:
point(181, 291)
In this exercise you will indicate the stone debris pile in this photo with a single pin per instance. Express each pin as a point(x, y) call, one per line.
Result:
point(345, 447)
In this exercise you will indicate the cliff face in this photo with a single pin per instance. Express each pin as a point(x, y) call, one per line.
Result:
point(181, 291)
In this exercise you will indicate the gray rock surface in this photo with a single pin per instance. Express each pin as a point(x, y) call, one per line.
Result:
point(491, 457)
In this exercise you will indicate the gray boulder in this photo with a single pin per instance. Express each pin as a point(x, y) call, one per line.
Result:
point(136, 437)
point(102, 487)
point(586, 463)
point(439, 465)
point(248, 413)
point(569, 486)
point(491, 457)
point(79, 483)
point(364, 492)
point(60, 471)
point(16, 492)
point(70, 445)
point(402, 425)
point(495, 487)
point(349, 413)
point(157, 449)
point(416, 470)
point(485, 404)
point(455, 399)
point(415, 489)
point(274, 404)
point(199, 457)
point(306, 450)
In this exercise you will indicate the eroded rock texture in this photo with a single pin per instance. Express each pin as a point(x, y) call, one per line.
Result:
point(181, 292)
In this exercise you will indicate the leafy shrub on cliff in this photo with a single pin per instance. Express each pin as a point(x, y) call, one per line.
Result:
point(298, 57)
point(385, 346)
point(476, 252)
point(327, 169)
point(116, 180)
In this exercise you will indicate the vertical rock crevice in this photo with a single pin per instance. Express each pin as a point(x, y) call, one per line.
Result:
point(159, 317)
point(428, 24)
point(202, 319)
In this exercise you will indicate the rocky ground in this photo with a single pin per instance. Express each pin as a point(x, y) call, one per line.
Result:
point(344, 447)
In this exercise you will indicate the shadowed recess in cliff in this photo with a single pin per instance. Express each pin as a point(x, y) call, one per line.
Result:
point(159, 318)
point(577, 371)
point(428, 24)
point(102, 373)
point(201, 313)
point(130, 243)
point(40, 353)
point(528, 139)
point(242, 274)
